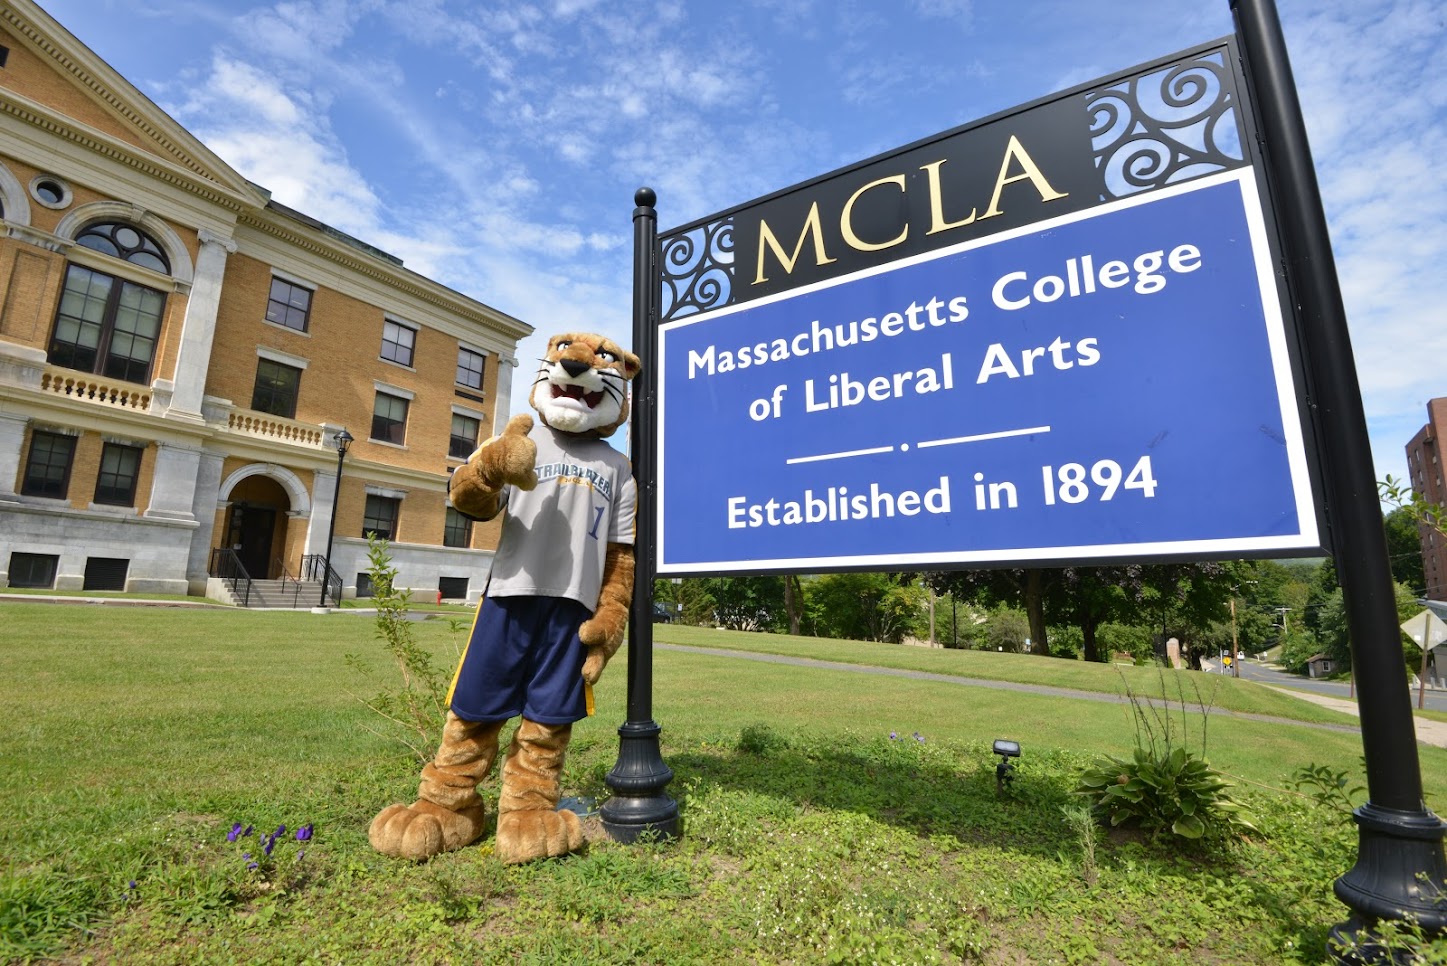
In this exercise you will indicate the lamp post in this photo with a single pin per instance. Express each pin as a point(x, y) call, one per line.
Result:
point(342, 440)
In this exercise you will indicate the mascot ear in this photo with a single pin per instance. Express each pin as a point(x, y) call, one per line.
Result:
point(631, 364)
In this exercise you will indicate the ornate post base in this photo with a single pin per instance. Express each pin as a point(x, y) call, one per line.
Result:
point(639, 804)
point(1400, 870)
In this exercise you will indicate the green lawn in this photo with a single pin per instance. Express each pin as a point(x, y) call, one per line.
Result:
point(136, 737)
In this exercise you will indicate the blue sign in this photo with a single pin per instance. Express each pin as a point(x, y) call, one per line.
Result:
point(1112, 384)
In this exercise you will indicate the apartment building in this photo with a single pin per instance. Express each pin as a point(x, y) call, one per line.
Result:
point(179, 353)
point(1424, 469)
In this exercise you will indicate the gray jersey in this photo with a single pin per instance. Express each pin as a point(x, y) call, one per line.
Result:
point(555, 537)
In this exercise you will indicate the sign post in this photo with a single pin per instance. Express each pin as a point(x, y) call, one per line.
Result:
point(1400, 866)
point(639, 803)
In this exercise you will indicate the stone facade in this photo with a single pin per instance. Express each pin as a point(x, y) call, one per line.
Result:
point(130, 452)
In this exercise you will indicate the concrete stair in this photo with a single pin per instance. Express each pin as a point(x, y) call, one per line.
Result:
point(288, 595)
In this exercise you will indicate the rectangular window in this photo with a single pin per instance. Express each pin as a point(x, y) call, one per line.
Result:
point(289, 305)
point(398, 342)
point(106, 325)
point(120, 465)
point(381, 516)
point(470, 367)
point(276, 388)
point(364, 584)
point(452, 588)
point(457, 532)
point(464, 436)
point(105, 573)
point(33, 569)
point(47, 470)
point(389, 419)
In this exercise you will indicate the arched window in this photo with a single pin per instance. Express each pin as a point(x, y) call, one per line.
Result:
point(107, 324)
point(120, 240)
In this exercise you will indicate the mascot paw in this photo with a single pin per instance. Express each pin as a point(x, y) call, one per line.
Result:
point(511, 457)
point(423, 829)
point(593, 665)
point(524, 836)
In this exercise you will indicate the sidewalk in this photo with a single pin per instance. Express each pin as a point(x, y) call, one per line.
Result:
point(1429, 732)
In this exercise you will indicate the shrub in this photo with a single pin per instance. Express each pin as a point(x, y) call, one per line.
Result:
point(416, 706)
point(1164, 788)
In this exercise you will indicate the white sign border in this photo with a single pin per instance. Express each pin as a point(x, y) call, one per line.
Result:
point(1307, 536)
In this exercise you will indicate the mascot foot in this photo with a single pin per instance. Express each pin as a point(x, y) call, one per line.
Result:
point(527, 835)
point(423, 829)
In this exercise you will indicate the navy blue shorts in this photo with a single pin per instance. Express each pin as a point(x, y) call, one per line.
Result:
point(523, 658)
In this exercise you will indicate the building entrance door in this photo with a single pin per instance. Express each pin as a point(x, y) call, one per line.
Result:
point(250, 535)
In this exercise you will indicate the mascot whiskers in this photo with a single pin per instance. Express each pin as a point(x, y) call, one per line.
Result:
point(553, 613)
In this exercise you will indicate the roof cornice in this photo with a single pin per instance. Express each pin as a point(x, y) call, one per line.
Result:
point(28, 22)
point(82, 136)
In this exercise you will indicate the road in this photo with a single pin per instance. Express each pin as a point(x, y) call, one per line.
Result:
point(1436, 700)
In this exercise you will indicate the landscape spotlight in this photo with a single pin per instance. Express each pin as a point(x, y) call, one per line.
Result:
point(1005, 770)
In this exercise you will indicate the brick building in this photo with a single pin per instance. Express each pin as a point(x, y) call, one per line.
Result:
point(178, 353)
point(1424, 469)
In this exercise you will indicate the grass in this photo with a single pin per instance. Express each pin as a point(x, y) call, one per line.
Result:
point(137, 737)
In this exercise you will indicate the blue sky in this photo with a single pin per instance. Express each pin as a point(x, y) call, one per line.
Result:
point(496, 147)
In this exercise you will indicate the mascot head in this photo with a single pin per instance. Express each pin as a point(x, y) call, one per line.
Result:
point(582, 384)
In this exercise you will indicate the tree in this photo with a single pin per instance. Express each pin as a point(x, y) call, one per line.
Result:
point(1334, 639)
point(746, 603)
point(865, 606)
point(1025, 589)
point(1404, 549)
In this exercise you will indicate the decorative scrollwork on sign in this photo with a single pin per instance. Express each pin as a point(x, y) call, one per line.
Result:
point(1165, 127)
point(698, 270)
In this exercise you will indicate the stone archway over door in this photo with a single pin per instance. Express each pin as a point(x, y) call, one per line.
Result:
point(260, 502)
point(256, 526)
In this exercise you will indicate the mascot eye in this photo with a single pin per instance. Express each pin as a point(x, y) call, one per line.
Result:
point(607, 356)
point(562, 345)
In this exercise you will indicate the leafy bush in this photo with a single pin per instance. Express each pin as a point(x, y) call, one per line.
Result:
point(1164, 787)
point(1179, 793)
point(416, 707)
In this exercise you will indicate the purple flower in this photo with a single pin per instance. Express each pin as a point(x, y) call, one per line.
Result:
point(267, 844)
point(131, 884)
point(235, 832)
point(918, 736)
point(300, 853)
point(894, 736)
point(251, 865)
point(280, 831)
point(246, 831)
point(304, 833)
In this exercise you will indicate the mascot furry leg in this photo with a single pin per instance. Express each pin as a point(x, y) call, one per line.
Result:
point(528, 825)
point(448, 813)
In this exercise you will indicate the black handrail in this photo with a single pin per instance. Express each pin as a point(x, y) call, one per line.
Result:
point(227, 565)
point(315, 567)
point(296, 583)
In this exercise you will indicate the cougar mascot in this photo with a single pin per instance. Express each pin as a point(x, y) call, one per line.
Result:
point(552, 615)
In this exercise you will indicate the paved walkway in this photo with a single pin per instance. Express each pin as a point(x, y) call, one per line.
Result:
point(1429, 732)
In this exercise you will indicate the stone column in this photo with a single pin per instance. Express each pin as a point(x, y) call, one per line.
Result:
point(203, 508)
point(502, 405)
point(173, 486)
point(324, 484)
point(12, 436)
point(194, 358)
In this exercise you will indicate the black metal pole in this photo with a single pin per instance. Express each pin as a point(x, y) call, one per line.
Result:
point(639, 803)
point(1400, 866)
point(332, 523)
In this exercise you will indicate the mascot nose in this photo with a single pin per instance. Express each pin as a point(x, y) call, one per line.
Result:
point(575, 367)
